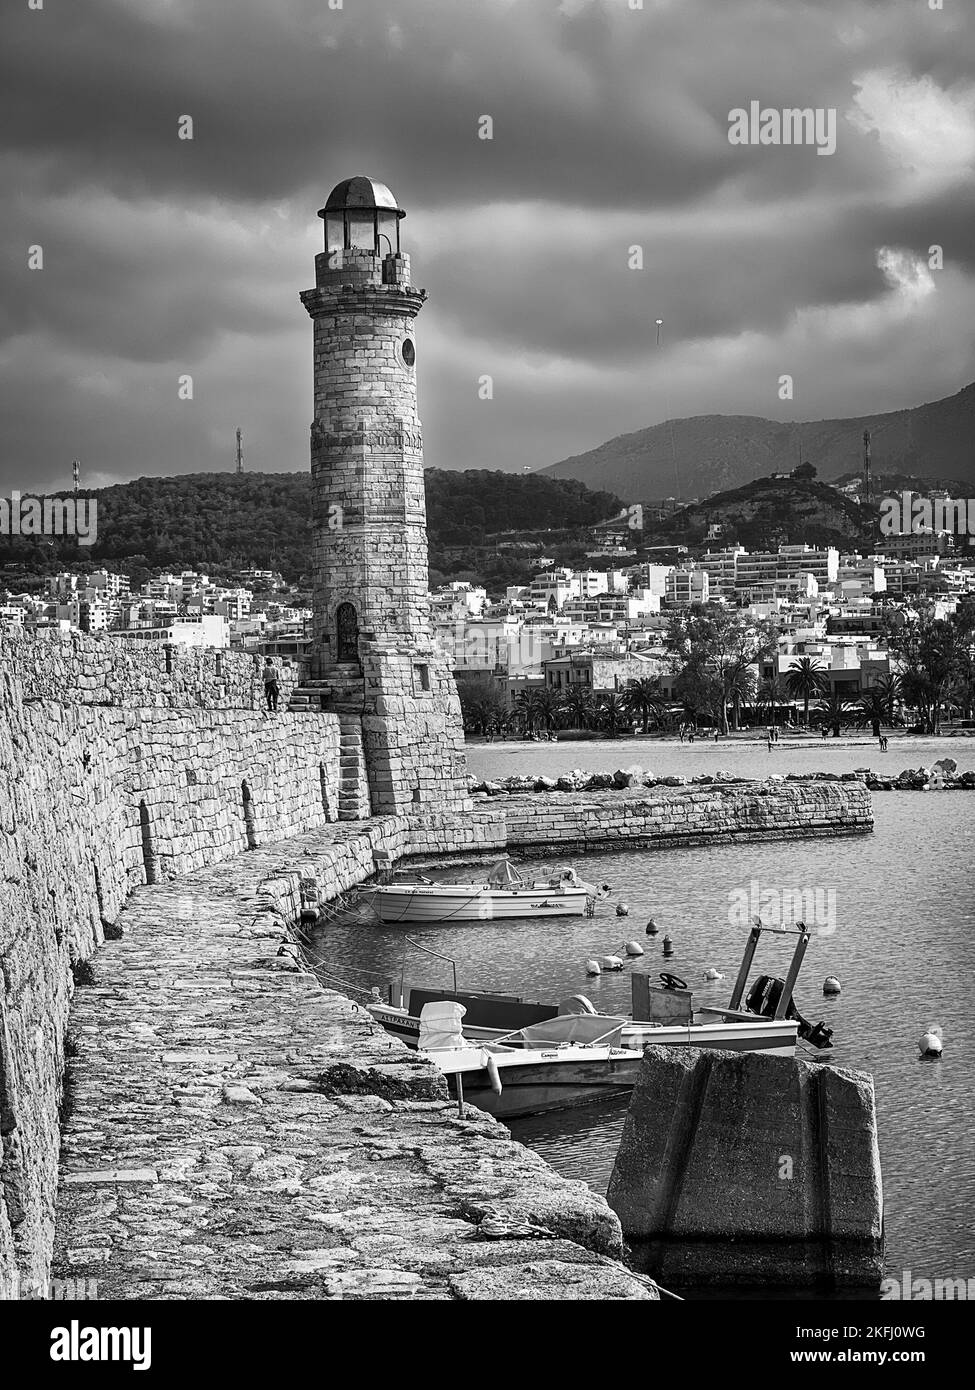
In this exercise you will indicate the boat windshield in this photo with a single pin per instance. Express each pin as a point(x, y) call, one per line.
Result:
point(504, 875)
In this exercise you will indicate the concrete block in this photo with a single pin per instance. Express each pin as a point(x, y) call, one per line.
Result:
point(748, 1169)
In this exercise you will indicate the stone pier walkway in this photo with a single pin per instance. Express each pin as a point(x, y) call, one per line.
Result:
point(233, 1130)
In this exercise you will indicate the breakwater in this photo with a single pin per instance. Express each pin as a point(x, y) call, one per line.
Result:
point(235, 1130)
point(666, 817)
point(942, 775)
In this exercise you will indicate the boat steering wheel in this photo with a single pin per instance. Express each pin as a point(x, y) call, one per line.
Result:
point(672, 981)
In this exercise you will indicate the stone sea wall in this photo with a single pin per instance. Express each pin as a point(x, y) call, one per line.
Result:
point(104, 670)
point(635, 817)
point(94, 801)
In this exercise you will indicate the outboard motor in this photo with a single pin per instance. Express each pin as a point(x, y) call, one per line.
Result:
point(763, 998)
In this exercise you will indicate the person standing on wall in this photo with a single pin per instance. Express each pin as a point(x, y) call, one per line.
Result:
point(271, 690)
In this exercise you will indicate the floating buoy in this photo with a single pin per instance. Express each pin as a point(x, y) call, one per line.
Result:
point(831, 985)
point(494, 1076)
point(622, 910)
point(593, 967)
point(930, 1045)
point(611, 963)
point(633, 948)
point(668, 946)
point(712, 974)
point(652, 928)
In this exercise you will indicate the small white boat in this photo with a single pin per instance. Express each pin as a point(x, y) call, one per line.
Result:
point(536, 1080)
point(504, 893)
point(514, 1058)
point(576, 1059)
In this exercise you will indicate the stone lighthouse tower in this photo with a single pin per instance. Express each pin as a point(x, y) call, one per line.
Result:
point(373, 653)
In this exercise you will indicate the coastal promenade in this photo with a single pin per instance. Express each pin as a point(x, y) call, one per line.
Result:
point(233, 1130)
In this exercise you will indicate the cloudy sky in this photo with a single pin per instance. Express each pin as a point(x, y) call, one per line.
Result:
point(164, 256)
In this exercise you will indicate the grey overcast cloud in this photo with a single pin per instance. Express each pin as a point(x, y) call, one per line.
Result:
point(165, 256)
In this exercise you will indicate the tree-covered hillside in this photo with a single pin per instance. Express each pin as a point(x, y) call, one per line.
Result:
point(222, 521)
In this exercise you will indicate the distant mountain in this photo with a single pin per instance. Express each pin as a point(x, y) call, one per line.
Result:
point(703, 454)
point(222, 521)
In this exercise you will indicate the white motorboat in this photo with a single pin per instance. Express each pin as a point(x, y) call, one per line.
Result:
point(514, 1058)
point(505, 893)
point(577, 1059)
point(533, 1081)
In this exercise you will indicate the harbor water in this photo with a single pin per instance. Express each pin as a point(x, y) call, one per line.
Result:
point(896, 918)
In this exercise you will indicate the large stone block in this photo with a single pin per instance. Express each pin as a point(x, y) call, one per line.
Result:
point(739, 1168)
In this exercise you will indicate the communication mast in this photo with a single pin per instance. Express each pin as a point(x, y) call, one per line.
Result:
point(240, 454)
point(866, 465)
point(76, 474)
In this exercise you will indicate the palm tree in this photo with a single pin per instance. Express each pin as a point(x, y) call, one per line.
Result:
point(888, 688)
point(806, 678)
point(644, 697)
point(872, 710)
point(963, 688)
point(549, 705)
point(834, 709)
point(614, 715)
point(500, 720)
point(577, 702)
point(481, 703)
point(772, 695)
point(739, 688)
point(531, 708)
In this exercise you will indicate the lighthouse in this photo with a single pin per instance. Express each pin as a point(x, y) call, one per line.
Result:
point(373, 652)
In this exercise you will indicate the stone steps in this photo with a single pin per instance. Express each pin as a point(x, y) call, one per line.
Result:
point(354, 801)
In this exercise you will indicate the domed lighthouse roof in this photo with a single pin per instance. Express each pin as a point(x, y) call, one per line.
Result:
point(361, 192)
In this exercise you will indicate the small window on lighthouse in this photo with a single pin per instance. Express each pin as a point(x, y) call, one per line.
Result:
point(409, 352)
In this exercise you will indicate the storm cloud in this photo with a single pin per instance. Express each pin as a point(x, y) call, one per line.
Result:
point(164, 257)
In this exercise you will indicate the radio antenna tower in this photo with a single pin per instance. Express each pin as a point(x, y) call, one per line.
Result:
point(866, 465)
point(76, 474)
point(240, 454)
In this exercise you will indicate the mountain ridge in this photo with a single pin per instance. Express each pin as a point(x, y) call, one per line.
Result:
point(702, 454)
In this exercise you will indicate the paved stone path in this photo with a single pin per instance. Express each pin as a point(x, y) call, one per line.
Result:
point(233, 1130)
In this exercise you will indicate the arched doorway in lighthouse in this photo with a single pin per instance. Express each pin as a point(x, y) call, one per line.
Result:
point(346, 633)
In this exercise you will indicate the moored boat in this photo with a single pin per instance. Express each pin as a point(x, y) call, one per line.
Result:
point(536, 1080)
point(489, 1018)
point(569, 1053)
point(505, 893)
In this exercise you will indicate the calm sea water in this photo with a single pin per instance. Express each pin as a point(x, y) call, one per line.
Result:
point(902, 948)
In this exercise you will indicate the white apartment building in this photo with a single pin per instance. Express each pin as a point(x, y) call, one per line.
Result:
point(652, 578)
point(205, 631)
point(459, 600)
point(622, 608)
point(857, 577)
point(912, 545)
point(233, 604)
point(112, 585)
point(685, 587)
point(721, 567)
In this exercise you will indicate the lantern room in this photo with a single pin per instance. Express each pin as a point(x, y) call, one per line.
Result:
point(362, 213)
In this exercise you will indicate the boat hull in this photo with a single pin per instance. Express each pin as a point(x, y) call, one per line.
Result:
point(545, 1081)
